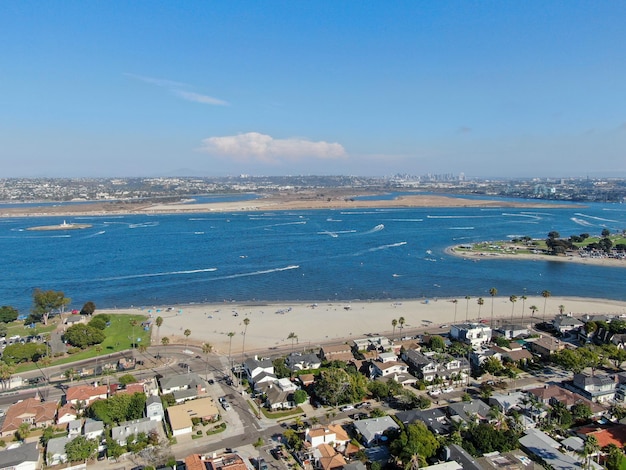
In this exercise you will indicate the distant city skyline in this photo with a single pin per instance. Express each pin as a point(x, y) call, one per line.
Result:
point(487, 89)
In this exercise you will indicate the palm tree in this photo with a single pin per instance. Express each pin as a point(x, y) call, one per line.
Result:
point(492, 292)
point(401, 322)
point(545, 294)
point(455, 302)
point(158, 322)
point(512, 299)
point(523, 297)
point(230, 344)
point(467, 299)
point(246, 322)
point(480, 303)
point(394, 322)
point(187, 333)
point(561, 309)
point(207, 348)
point(293, 337)
point(533, 310)
point(133, 323)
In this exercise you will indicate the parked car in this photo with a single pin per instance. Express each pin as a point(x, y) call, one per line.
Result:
point(226, 405)
point(346, 408)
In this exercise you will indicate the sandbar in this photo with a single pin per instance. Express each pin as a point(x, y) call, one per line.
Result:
point(334, 321)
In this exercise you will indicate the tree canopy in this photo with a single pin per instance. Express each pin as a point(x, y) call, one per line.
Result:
point(82, 336)
point(45, 302)
point(80, 448)
point(8, 314)
point(88, 308)
point(414, 440)
point(18, 352)
point(118, 408)
point(337, 386)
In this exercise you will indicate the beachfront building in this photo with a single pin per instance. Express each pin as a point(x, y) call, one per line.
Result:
point(566, 323)
point(474, 334)
point(372, 343)
point(336, 352)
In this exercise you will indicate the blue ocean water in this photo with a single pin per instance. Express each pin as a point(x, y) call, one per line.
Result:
point(297, 255)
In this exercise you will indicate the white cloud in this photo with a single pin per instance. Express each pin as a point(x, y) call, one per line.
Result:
point(198, 98)
point(254, 146)
point(177, 89)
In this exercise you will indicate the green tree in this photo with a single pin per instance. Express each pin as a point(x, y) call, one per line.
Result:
point(46, 302)
point(127, 379)
point(378, 389)
point(8, 314)
point(299, 396)
point(23, 431)
point(415, 440)
point(80, 448)
point(436, 343)
point(533, 309)
point(187, 334)
point(158, 322)
point(480, 303)
point(82, 336)
point(512, 299)
point(17, 353)
point(293, 337)
point(523, 297)
point(401, 322)
point(98, 322)
point(615, 457)
point(337, 386)
point(246, 322)
point(207, 348)
point(165, 341)
point(492, 365)
point(6, 371)
point(456, 303)
point(46, 435)
point(581, 412)
point(394, 323)
point(88, 309)
point(114, 449)
point(467, 299)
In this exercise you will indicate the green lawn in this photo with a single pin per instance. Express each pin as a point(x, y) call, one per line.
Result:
point(118, 338)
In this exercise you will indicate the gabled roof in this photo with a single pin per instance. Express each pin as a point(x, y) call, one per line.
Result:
point(91, 425)
point(85, 392)
point(466, 408)
point(181, 381)
point(373, 427)
point(328, 457)
point(39, 411)
point(12, 458)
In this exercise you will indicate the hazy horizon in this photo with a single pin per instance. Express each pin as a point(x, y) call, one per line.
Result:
point(488, 89)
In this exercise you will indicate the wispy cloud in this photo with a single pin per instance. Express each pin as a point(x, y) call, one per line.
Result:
point(257, 147)
point(179, 89)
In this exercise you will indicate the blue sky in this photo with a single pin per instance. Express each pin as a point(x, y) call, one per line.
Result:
point(145, 88)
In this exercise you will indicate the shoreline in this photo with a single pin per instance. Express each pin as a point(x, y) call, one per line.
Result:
point(476, 256)
point(316, 323)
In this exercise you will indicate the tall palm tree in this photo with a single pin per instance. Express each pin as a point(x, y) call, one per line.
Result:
point(455, 302)
point(293, 337)
point(523, 297)
point(158, 322)
point(561, 309)
point(230, 345)
point(512, 299)
point(133, 323)
point(394, 322)
point(492, 292)
point(207, 348)
point(401, 322)
point(467, 299)
point(533, 310)
point(480, 303)
point(246, 322)
point(545, 294)
point(187, 333)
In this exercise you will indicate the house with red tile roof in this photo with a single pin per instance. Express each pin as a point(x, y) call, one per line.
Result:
point(86, 394)
point(32, 411)
point(605, 434)
point(66, 414)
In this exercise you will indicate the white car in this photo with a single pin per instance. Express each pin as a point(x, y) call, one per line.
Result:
point(226, 405)
point(347, 408)
point(434, 393)
point(448, 390)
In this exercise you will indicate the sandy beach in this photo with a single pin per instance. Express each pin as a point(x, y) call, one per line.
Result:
point(492, 256)
point(313, 324)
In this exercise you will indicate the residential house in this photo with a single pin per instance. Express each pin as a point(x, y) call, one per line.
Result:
point(434, 418)
point(388, 369)
point(74, 428)
point(479, 356)
point(333, 434)
point(32, 411)
point(545, 346)
point(66, 414)
point(619, 340)
point(546, 450)
point(224, 462)
point(184, 386)
point(154, 408)
point(431, 365)
point(548, 395)
point(336, 352)
point(180, 416)
point(86, 394)
point(474, 334)
point(515, 353)
point(474, 410)
point(298, 361)
point(455, 453)
point(93, 429)
point(566, 323)
point(22, 457)
point(55, 450)
point(605, 434)
point(279, 394)
point(121, 433)
point(325, 457)
point(259, 371)
point(598, 388)
point(507, 401)
point(372, 430)
point(372, 343)
point(385, 357)
point(512, 330)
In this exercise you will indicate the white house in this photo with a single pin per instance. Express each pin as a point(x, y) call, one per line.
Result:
point(154, 408)
point(22, 457)
point(475, 334)
point(388, 369)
